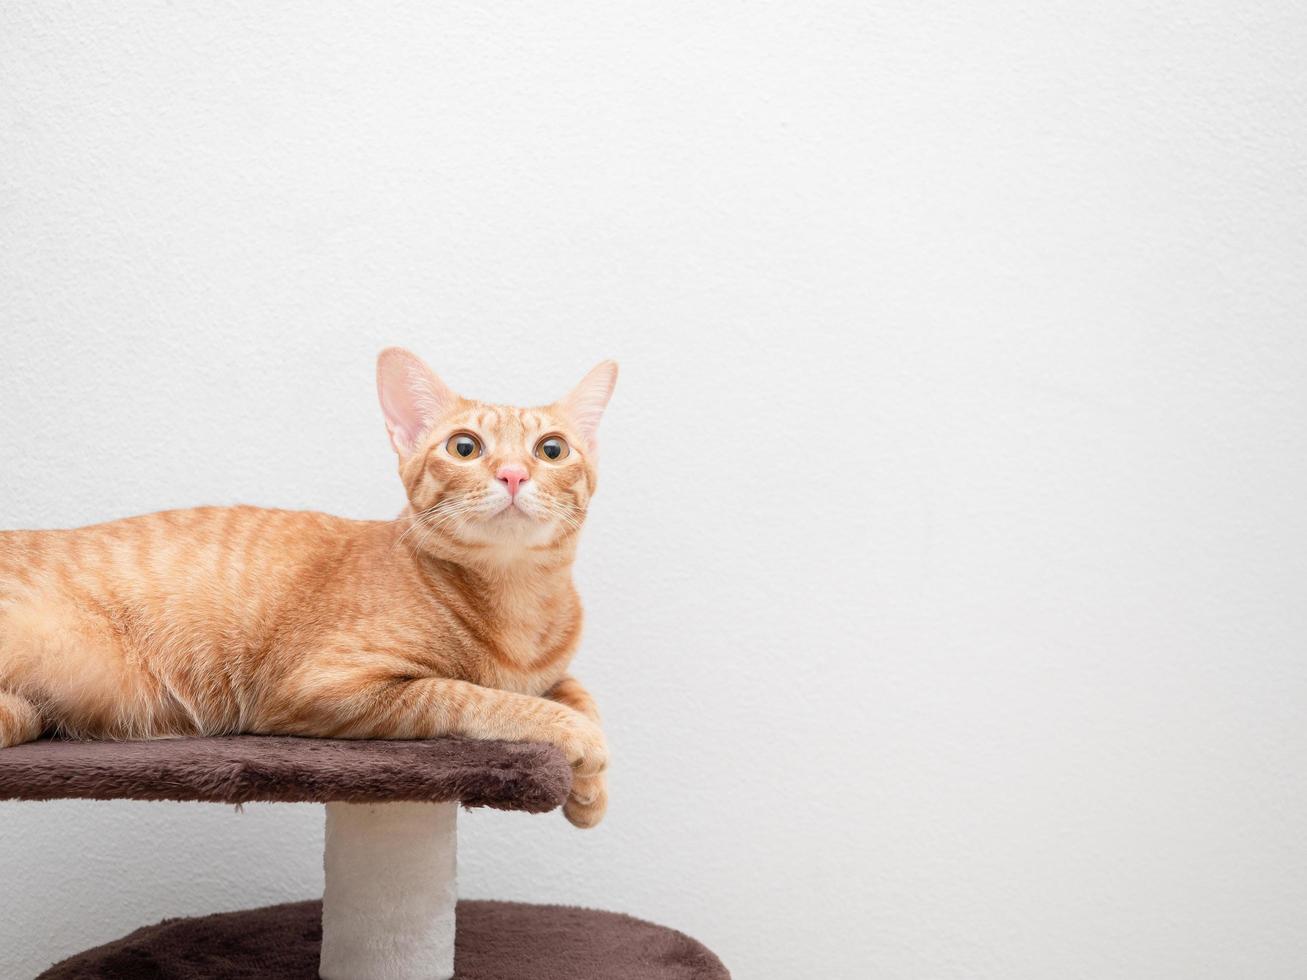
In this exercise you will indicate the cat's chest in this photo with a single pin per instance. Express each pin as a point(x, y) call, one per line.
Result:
point(535, 683)
point(515, 637)
point(521, 661)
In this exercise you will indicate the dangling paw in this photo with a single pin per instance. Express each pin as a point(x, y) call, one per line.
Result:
point(589, 799)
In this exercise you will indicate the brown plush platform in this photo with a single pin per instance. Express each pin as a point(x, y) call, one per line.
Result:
point(248, 768)
point(496, 941)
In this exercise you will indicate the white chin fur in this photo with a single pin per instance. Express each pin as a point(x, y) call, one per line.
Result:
point(512, 527)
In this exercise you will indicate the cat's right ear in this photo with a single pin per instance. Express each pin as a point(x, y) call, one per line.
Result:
point(412, 398)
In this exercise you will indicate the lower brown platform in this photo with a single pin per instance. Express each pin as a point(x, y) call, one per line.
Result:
point(495, 941)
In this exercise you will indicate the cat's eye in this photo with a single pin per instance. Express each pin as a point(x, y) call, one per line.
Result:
point(463, 445)
point(552, 448)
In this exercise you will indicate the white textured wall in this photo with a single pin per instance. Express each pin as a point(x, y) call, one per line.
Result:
point(948, 576)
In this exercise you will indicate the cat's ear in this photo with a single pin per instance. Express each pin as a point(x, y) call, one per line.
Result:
point(412, 398)
point(585, 403)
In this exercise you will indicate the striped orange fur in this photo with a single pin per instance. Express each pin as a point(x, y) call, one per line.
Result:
point(459, 617)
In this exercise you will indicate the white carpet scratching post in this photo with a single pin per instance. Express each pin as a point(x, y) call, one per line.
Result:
point(388, 904)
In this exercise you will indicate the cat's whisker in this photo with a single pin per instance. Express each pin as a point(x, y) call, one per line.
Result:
point(415, 521)
point(454, 514)
point(428, 517)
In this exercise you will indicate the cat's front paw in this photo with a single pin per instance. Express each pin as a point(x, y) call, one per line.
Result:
point(582, 741)
point(588, 801)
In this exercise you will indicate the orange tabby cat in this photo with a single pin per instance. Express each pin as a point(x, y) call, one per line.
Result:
point(458, 618)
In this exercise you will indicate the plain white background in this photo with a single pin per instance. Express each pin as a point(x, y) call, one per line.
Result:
point(947, 577)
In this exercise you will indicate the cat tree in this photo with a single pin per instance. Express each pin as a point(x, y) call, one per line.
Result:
point(389, 907)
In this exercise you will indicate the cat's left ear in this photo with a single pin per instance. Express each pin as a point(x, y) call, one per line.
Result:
point(412, 398)
point(585, 403)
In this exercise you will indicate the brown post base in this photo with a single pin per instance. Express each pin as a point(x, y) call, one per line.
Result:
point(495, 941)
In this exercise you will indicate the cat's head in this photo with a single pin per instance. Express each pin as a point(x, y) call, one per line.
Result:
point(486, 478)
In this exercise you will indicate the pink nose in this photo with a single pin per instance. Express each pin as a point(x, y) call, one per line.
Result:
point(512, 474)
